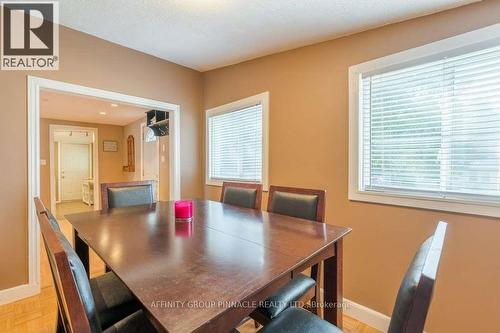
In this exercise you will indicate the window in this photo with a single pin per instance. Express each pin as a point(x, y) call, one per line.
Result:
point(149, 134)
point(237, 141)
point(429, 130)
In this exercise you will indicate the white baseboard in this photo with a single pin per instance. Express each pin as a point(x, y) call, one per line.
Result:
point(17, 293)
point(366, 315)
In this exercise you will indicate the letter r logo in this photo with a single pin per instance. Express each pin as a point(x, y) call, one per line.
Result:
point(28, 28)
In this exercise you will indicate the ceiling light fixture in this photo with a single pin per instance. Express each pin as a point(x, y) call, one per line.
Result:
point(102, 113)
point(113, 105)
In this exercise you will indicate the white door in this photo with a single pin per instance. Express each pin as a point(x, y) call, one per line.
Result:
point(150, 157)
point(75, 167)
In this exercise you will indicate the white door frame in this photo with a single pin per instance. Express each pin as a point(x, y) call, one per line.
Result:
point(95, 161)
point(34, 87)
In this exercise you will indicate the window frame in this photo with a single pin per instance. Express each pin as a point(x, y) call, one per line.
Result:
point(263, 99)
point(467, 42)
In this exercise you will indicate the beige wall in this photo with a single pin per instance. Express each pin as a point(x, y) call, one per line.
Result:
point(88, 61)
point(110, 163)
point(135, 130)
point(309, 147)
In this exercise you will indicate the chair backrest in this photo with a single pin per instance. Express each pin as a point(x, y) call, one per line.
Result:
point(415, 293)
point(74, 296)
point(40, 208)
point(247, 195)
point(297, 202)
point(125, 194)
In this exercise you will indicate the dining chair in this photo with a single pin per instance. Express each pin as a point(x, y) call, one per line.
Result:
point(40, 208)
point(306, 204)
point(102, 304)
point(247, 195)
point(412, 302)
point(125, 194)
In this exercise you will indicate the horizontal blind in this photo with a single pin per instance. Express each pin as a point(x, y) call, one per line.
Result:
point(235, 145)
point(434, 127)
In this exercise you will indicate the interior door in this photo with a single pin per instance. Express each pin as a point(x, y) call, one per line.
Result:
point(150, 157)
point(75, 167)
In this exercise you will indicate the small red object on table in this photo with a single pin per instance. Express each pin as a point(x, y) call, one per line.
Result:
point(184, 210)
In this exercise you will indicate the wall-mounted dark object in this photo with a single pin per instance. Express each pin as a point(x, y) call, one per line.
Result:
point(158, 122)
point(130, 167)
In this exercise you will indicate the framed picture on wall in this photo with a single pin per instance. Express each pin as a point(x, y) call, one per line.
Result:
point(110, 146)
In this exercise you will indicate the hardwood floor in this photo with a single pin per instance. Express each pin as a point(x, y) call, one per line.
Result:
point(37, 314)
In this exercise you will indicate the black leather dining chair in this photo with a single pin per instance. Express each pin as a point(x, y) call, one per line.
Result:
point(102, 304)
point(306, 204)
point(126, 194)
point(412, 302)
point(247, 195)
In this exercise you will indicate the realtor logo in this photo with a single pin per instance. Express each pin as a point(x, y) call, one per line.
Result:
point(30, 35)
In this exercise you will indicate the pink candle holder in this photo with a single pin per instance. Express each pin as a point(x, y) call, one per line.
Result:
point(184, 210)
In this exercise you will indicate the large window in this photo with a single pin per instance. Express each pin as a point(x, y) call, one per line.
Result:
point(237, 141)
point(430, 129)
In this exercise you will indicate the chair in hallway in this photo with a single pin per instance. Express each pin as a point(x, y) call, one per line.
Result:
point(126, 194)
point(412, 302)
point(247, 195)
point(103, 304)
point(306, 204)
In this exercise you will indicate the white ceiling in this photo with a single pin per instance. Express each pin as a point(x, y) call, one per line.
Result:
point(61, 106)
point(206, 34)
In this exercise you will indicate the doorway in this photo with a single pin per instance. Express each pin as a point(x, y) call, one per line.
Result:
point(74, 168)
point(35, 86)
point(74, 160)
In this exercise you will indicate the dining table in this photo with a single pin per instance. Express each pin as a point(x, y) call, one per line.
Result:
point(208, 274)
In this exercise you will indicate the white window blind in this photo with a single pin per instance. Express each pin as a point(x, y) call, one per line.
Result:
point(235, 145)
point(434, 129)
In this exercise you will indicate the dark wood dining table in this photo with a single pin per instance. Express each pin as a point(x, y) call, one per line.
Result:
point(208, 275)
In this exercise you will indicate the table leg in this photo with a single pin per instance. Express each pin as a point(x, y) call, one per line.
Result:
point(315, 301)
point(82, 250)
point(333, 297)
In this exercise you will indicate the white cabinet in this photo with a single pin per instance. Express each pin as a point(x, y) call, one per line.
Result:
point(88, 191)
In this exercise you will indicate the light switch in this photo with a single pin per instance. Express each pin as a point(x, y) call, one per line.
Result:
point(43, 162)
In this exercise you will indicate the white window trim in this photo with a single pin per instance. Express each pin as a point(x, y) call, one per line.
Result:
point(469, 41)
point(262, 99)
